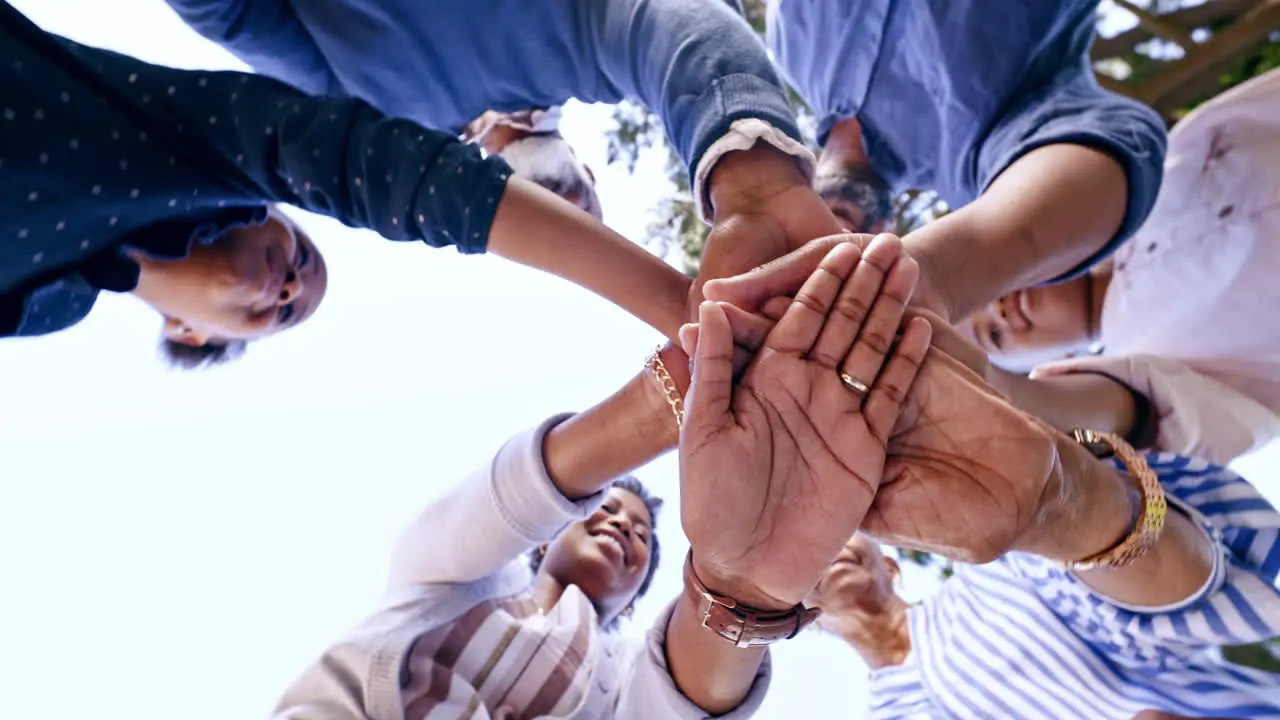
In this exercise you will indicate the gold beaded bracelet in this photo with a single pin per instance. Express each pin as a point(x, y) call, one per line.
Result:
point(1150, 522)
point(667, 385)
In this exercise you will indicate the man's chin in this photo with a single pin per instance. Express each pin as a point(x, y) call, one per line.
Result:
point(853, 581)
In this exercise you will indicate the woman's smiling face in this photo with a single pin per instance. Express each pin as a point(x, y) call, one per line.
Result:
point(1042, 320)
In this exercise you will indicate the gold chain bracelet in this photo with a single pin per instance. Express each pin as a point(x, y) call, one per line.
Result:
point(667, 385)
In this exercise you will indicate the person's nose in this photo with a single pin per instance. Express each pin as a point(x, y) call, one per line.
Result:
point(292, 287)
point(622, 523)
point(1003, 316)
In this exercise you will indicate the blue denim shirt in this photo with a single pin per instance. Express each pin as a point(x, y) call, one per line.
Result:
point(949, 93)
point(100, 152)
point(696, 63)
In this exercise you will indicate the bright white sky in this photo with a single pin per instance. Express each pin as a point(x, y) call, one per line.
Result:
point(182, 546)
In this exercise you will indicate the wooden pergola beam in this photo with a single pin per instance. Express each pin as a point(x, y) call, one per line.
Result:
point(1188, 19)
point(1159, 25)
point(1251, 27)
point(1204, 85)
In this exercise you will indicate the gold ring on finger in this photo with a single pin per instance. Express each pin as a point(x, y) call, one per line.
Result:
point(854, 384)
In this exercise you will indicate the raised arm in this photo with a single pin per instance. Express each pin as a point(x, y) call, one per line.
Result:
point(1068, 174)
point(266, 142)
point(539, 482)
point(1176, 569)
point(962, 452)
point(267, 36)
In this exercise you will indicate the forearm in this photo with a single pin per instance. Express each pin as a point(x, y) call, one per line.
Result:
point(258, 140)
point(1078, 400)
point(713, 673)
point(534, 227)
point(1045, 215)
point(1095, 508)
point(696, 63)
point(628, 429)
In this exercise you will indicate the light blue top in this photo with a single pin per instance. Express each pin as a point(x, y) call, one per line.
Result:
point(1022, 638)
point(950, 92)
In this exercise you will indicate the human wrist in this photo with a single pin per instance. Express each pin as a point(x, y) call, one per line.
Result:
point(745, 178)
point(1089, 507)
point(741, 588)
point(586, 452)
point(661, 388)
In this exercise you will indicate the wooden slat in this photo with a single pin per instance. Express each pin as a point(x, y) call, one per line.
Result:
point(1160, 25)
point(1252, 27)
point(1187, 18)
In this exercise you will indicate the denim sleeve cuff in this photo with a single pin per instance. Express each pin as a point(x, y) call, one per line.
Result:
point(731, 98)
point(458, 198)
point(743, 135)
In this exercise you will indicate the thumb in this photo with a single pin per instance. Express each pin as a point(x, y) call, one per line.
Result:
point(784, 276)
point(689, 341)
point(777, 307)
point(711, 391)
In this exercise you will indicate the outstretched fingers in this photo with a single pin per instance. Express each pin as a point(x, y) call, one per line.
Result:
point(869, 296)
point(889, 392)
point(781, 277)
point(875, 338)
point(801, 324)
point(749, 333)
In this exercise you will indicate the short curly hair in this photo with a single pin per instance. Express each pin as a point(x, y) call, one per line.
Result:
point(861, 187)
point(654, 503)
point(194, 357)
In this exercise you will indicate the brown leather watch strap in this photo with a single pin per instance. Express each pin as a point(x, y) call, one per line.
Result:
point(739, 624)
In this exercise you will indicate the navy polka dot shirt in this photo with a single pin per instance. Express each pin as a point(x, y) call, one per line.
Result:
point(100, 152)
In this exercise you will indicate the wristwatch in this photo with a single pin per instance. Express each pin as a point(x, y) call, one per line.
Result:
point(1149, 524)
point(741, 625)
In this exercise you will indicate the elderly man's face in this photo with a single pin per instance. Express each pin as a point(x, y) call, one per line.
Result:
point(861, 578)
point(857, 196)
point(548, 160)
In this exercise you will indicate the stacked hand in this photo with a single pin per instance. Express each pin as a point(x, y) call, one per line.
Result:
point(968, 475)
point(781, 466)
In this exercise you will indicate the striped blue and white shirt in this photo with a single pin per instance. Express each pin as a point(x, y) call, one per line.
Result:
point(1022, 638)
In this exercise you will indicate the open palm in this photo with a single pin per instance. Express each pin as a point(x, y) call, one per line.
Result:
point(778, 470)
point(967, 473)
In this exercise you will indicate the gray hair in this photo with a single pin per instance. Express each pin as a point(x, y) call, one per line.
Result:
point(861, 187)
point(549, 160)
